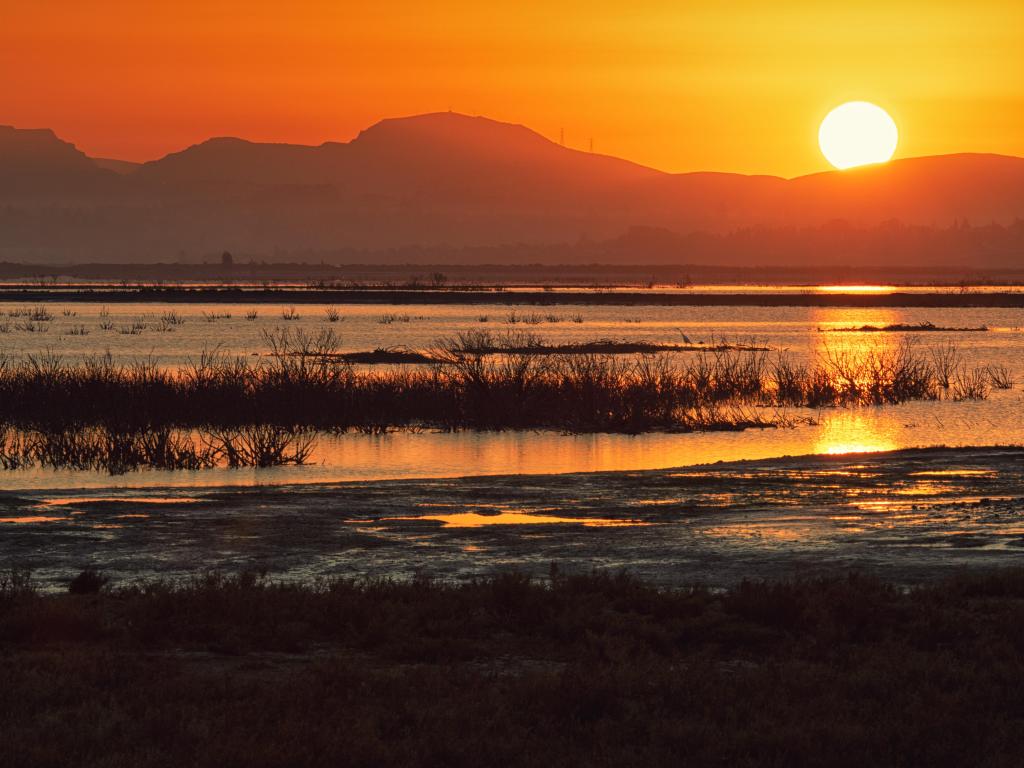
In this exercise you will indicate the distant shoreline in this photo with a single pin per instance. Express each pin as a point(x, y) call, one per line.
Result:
point(1012, 300)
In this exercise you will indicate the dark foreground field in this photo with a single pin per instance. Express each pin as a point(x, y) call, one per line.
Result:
point(582, 670)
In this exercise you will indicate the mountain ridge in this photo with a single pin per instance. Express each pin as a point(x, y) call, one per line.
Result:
point(443, 179)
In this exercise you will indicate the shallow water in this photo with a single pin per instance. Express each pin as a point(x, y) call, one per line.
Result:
point(906, 516)
point(804, 332)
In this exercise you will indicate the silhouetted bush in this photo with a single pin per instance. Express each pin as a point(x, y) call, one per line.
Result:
point(88, 582)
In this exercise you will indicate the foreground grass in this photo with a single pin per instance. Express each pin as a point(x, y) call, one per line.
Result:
point(590, 670)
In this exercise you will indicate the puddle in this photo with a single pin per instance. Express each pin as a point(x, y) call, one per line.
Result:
point(477, 520)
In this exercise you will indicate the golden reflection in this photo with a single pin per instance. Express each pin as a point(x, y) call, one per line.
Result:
point(73, 500)
point(921, 489)
point(855, 288)
point(477, 520)
point(856, 431)
point(955, 473)
point(853, 432)
point(888, 505)
point(831, 318)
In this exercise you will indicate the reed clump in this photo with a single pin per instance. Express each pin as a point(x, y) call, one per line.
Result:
point(305, 382)
point(117, 451)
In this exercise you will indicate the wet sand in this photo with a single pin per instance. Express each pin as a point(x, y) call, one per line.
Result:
point(907, 516)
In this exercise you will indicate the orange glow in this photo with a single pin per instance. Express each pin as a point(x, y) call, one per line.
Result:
point(855, 289)
point(855, 430)
point(680, 86)
point(68, 501)
point(476, 520)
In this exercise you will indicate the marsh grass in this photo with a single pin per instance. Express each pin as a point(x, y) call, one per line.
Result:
point(999, 376)
point(38, 314)
point(306, 382)
point(486, 342)
point(117, 451)
point(134, 328)
point(31, 326)
point(946, 360)
point(924, 327)
point(527, 318)
point(262, 445)
point(574, 670)
point(970, 384)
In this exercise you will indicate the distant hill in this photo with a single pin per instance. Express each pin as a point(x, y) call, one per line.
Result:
point(36, 163)
point(117, 166)
point(440, 180)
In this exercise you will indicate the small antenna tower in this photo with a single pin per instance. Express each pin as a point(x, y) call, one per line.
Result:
point(561, 136)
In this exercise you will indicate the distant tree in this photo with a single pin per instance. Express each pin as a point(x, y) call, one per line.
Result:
point(438, 279)
point(226, 259)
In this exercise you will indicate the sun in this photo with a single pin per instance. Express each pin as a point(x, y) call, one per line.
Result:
point(857, 133)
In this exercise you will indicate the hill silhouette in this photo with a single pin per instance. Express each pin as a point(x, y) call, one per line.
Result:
point(36, 162)
point(439, 180)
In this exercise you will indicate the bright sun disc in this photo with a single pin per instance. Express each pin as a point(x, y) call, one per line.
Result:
point(857, 133)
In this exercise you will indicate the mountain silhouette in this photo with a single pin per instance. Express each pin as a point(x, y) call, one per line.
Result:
point(442, 179)
point(34, 162)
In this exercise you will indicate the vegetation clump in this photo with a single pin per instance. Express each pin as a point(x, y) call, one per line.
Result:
point(903, 328)
point(305, 383)
point(88, 582)
point(602, 669)
point(117, 451)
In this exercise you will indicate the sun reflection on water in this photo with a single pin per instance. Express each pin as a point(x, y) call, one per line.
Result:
point(857, 431)
point(855, 289)
point(854, 433)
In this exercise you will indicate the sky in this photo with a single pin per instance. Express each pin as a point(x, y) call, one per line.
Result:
point(681, 86)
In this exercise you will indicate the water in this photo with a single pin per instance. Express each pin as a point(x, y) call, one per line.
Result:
point(906, 517)
point(804, 332)
point(363, 327)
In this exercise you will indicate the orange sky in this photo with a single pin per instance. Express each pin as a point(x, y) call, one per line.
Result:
point(681, 86)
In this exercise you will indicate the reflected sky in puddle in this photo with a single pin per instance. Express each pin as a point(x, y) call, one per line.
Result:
point(921, 489)
point(71, 501)
point(954, 473)
point(478, 520)
point(29, 519)
point(779, 527)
